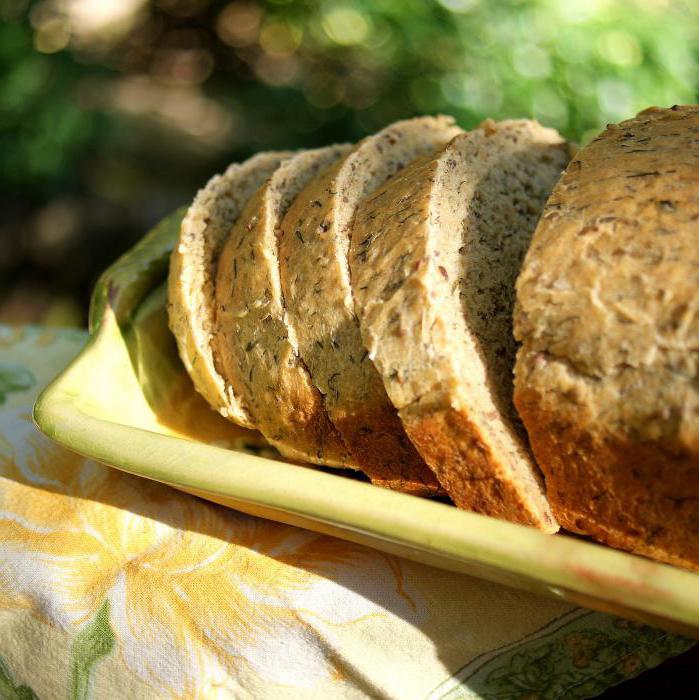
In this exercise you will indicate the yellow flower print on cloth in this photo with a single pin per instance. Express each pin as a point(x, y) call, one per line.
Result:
point(193, 590)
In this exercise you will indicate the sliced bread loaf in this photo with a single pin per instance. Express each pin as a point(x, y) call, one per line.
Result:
point(191, 308)
point(314, 244)
point(434, 256)
point(257, 348)
point(608, 315)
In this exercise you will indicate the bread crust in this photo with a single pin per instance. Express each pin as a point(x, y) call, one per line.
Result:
point(386, 454)
point(631, 495)
point(191, 279)
point(607, 313)
point(468, 466)
point(314, 242)
point(257, 348)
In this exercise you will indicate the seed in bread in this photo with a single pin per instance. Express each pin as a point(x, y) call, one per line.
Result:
point(314, 243)
point(192, 274)
point(434, 256)
point(257, 347)
point(608, 316)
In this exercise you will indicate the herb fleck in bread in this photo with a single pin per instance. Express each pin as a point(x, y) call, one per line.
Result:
point(314, 243)
point(434, 256)
point(257, 348)
point(191, 280)
point(608, 316)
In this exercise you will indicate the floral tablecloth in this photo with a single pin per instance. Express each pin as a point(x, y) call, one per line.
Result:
point(116, 587)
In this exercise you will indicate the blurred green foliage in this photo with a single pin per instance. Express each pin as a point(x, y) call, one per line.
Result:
point(113, 113)
point(41, 129)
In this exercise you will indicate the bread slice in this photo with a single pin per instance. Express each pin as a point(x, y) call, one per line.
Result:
point(608, 316)
point(434, 255)
point(313, 248)
point(256, 345)
point(191, 279)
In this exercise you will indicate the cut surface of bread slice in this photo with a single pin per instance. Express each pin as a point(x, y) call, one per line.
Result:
point(434, 256)
point(191, 303)
point(257, 348)
point(608, 316)
point(313, 249)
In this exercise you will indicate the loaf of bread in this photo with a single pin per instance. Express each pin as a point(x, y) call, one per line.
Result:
point(434, 256)
point(355, 305)
point(314, 242)
point(191, 308)
point(607, 378)
point(257, 348)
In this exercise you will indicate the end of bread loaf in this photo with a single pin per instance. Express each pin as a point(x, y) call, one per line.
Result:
point(606, 377)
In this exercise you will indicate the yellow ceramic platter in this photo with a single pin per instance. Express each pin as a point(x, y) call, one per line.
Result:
point(127, 401)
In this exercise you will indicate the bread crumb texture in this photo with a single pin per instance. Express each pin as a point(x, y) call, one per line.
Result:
point(314, 243)
point(191, 303)
point(434, 257)
point(257, 347)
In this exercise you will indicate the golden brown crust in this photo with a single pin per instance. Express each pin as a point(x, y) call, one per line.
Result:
point(386, 455)
point(641, 497)
point(465, 464)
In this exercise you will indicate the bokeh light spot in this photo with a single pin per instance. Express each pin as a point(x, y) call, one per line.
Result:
point(280, 38)
point(323, 90)
point(184, 67)
point(615, 98)
point(619, 48)
point(581, 10)
point(549, 107)
point(52, 35)
point(238, 24)
point(345, 25)
point(458, 6)
point(531, 62)
point(277, 70)
point(479, 93)
point(102, 21)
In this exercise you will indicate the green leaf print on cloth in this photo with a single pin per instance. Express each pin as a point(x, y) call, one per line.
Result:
point(94, 642)
point(8, 689)
point(13, 379)
point(578, 656)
